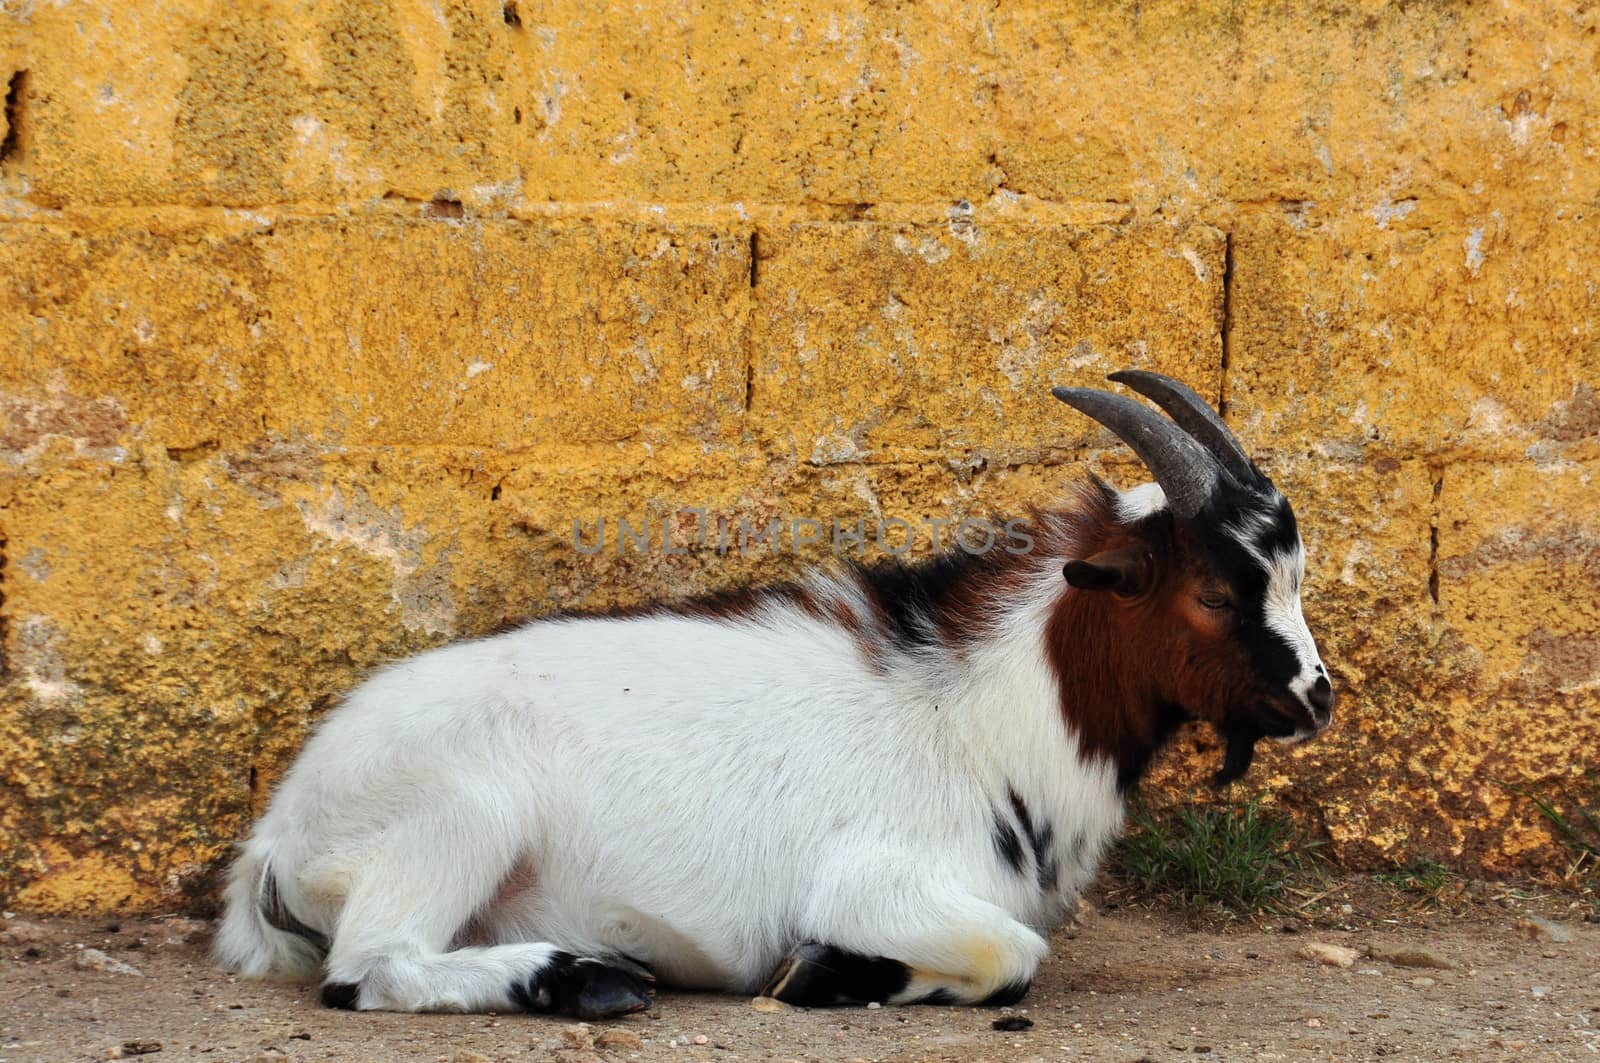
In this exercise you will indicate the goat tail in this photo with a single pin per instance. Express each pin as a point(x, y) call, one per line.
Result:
point(258, 936)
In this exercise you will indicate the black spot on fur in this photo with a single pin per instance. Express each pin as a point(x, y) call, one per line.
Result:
point(340, 995)
point(1041, 839)
point(939, 997)
point(1020, 809)
point(910, 595)
point(819, 976)
point(1049, 872)
point(277, 914)
point(1006, 842)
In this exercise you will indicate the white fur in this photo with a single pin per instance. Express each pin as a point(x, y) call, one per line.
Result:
point(1284, 616)
point(1281, 611)
point(1136, 503)
point(700, 794)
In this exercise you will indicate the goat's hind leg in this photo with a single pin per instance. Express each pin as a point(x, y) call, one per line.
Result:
point(391, 945)
point(954, 949)
point(815, 975)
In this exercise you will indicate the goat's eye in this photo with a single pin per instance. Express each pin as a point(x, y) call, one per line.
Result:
point(1215, 600)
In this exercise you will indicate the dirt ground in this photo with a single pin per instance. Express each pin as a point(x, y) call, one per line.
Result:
point(1126, 984)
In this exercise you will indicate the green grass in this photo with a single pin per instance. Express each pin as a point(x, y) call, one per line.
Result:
point(1241, 858)
point(1575, 822)
point(1430, 880)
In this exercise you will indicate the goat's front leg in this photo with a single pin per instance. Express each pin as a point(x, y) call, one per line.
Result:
point(926, 950)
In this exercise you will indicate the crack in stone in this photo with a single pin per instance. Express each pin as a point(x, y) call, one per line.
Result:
point(1227, 322)
point(11, 146)
point(1433, 546)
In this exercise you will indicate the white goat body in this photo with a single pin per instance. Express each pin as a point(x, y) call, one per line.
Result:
point(878, 785)
point(697, 793)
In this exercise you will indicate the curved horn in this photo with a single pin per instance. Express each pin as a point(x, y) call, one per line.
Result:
point(1185, 470)
point(1195, 416)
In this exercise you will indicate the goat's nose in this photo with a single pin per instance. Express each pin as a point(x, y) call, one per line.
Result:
point(1321, 698)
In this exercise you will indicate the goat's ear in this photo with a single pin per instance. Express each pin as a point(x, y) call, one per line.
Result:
point(1123, 571)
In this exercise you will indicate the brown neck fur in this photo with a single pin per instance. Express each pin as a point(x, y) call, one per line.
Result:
point(1114, 694)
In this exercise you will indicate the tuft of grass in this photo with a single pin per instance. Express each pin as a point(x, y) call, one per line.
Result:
point(1575, 822)
point(1240, 858)
point(1432, 882)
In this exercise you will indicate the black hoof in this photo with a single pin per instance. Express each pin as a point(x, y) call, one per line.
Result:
point(340, 995)
point(585, 988)
point(641, 970)
point(820, 976)
point(1007, 995)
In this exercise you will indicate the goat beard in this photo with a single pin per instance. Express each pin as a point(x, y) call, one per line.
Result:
point(1239, 744)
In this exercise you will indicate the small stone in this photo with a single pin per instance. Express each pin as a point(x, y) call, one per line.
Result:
point(1013, 1022)
point(181, 930)
point(874, 1006)
point(467, 1056)
point(22, 932)
point(619, 1039)
point(95, 960)
point(140, 1048)
point(1332, 955)
point(1536, 928)
point(1409, 957)
point(701, 1039)
point(1315, 1024)
point(1423, 983)
point(578, 1035)
point(1540, 991)
point(770, 1004)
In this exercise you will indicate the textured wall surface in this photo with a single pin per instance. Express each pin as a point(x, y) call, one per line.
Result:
point(321, 322)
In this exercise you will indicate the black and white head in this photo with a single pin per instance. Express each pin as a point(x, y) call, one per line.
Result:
point(1226, 596)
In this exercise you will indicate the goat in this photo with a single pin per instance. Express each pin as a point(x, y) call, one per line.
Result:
point(880, 785)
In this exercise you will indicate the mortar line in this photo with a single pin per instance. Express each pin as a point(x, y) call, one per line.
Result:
point(1436, 474)
point(750, 338)
point(11, 146)
point(623, 210)
point(5, 625)
point(1227, 322)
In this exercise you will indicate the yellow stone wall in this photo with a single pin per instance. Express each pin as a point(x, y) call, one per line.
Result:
point(320, 323)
